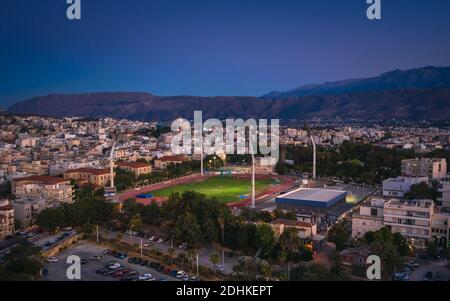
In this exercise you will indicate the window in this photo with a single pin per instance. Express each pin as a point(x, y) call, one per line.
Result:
point(373, 212)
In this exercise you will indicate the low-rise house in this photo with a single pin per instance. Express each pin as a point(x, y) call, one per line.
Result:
point(369, 218)
point(94, 176)
point(355, 256)
point(138, 168)
point(305, 229)
point(397, 187)
point(167, 160)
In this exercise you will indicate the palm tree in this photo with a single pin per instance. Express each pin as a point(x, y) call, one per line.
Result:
point(214, 258)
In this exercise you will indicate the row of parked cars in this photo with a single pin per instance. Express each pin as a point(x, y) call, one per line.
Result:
point(153, 238)
point(404, 275)
point(116, 270)
point(54, 241)
point(160, 268)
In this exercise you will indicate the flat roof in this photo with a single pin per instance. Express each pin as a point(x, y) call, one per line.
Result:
point(314, 194)
point(312, 197)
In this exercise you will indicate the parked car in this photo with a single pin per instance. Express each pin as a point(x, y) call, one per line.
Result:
point(428, 276)
point(180, 274)
point(160, 268)
point(219, 268)
point(95, 258)
point(173, 273)
point(52, 259)
point(147, 277)
point(84, 261)
point(186, 277)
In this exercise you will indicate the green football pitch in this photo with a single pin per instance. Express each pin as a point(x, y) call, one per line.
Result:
point(222, 188)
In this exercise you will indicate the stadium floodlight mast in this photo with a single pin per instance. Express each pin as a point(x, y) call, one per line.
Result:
point(313, 142)
point(253, 174)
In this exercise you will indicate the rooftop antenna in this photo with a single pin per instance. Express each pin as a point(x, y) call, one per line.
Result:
point(313, 142)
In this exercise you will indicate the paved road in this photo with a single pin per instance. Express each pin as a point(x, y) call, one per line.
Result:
point(435, 267)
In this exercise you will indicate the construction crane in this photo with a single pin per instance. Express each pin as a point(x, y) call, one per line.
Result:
point(313, 142)
point(110, 192)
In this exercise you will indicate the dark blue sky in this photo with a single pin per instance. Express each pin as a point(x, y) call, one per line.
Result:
point(211, 47)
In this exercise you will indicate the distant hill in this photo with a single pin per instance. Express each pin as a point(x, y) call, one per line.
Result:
point(416, 94)
point(420, 78)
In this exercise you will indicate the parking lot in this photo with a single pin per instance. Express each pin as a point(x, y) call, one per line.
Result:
point(57, 270)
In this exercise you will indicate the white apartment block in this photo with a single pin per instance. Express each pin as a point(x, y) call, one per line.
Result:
point(26, 210)
point(411, 219)
point(397, 187)
point(369, 218)
point(433, 168)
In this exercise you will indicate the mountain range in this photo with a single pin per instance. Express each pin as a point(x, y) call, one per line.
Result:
point(415, 94)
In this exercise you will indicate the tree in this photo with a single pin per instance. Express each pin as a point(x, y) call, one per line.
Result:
point(265, 269)
point(246, 268)
point(50, 219)
point(214, 258)
point(188, 229)
point(23, 262)
point(422, 191)
point(310, 272)
point(136, 221)
point(339, 235)
point(290, 244)
point(265, 238)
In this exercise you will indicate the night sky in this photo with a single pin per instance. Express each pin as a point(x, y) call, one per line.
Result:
point(211, 47)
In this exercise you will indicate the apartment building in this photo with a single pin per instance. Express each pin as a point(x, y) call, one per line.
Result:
point(369, 218)
point(397, 187)
point(26, 210)
point(411, 219)
point(52, 189)
point(6, 219)
point(138, 168)
point(440, 228)
point(94, 176)
point(433, 168)
point(443, 199)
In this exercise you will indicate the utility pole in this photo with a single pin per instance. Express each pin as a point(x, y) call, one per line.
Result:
point(141, 249)
point(197, 266)
point(223, 258)
point(97, 236)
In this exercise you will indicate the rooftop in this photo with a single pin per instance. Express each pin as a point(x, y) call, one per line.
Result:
point(314, 194)
point(47, 180)
point(93, 171)
point(133, 164)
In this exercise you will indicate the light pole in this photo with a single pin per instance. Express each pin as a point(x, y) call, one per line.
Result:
point(197, 265)
point(253, 174)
